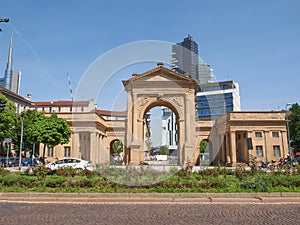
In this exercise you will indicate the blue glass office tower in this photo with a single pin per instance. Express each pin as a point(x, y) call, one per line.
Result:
point(215, 99)
point(11, 79)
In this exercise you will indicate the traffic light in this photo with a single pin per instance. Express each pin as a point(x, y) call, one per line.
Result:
point(2, 104)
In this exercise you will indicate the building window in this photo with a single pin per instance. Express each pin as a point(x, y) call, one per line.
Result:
point(259, 151)
point(71, 109)
point(50, 152)
point(258, 134)
point(59, 109)
point(50, 109)
point(67, 151)
point(276, 149)
point(82, 108)
point(275, 134)
point(43, 108)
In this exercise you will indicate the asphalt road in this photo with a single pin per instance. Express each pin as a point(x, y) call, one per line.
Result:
point(147, 213)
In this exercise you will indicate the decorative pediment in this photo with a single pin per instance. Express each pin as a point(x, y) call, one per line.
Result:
point(160, 74)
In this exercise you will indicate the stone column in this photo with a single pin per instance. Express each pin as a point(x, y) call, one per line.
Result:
point(190, 135)
point(181, 154)
point(228, 151)
point(75, 145)
point(103, 156)
point(223, 149)
point(129, 122)
point(93, 148)
point(285, 146)
point(187, 120)
point(268, 150)
point(233, 147)
point(97, 148)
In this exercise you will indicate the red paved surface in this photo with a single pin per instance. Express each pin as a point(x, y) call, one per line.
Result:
point(148, 213)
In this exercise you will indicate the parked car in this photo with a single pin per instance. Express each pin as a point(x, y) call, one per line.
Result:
point(161, 157)
point(78, 164)
point(28, 162)
point(11, 162)
point(296, 160)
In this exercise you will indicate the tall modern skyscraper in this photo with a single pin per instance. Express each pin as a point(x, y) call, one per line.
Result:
point(11, 79)
point(185, 57)
point(206, 74)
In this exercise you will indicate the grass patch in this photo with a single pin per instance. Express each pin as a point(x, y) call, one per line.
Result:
point(116, 180)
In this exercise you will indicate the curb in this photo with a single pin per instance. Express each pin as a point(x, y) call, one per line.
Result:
point(188, 198)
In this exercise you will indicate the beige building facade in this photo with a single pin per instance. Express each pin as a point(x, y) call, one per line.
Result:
point(239, 136)
point(94, 131)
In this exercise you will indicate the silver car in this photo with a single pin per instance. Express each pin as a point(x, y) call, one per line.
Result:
point(75, 163)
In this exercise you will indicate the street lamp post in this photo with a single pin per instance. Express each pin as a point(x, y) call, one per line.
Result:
point(288, 133)
point(5, 20)
point(21, 143)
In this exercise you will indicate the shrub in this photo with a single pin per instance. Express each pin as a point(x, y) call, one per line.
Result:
point(85, 182)
point(10, 180)
point(259, 183)
point(54, 182)
point(41, 173)
point(17, 180)
point(27, 181)
point(67, 171)
point(4, 172)
point(88, 173)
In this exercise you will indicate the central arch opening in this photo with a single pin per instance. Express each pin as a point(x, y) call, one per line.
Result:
point(161, 136)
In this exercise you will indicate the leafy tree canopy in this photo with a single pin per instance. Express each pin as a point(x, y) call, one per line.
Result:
point(294, 126)
point(50, 131)
point(117, 147)
point(30, 117)
point(164, 150)
point(203, 146)
point(8, 120)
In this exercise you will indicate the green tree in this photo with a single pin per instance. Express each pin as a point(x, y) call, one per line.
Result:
point(50, 131)
point(164, 150)
point(8, 121)
point(203, 146)
point(30, 117)
point(117, 147)
point(294, 126)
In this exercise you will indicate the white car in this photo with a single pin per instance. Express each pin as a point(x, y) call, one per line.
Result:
point(161, 157)
point(70, 162)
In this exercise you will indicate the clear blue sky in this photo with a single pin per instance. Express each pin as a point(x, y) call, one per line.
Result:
point(255, 43)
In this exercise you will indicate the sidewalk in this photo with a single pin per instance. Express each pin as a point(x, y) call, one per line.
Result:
point(274, 197)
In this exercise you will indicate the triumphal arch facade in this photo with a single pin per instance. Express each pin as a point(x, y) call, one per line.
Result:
point(160, 87)
point(94, 131)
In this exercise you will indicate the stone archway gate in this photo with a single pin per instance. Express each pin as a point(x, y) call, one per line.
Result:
point(160, 87)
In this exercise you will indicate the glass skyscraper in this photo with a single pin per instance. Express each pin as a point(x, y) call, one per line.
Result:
point(185, 57)
point(11, 79)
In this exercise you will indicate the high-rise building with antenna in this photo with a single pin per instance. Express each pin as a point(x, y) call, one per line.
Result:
point(185, 57)
point(11, 79)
